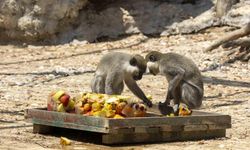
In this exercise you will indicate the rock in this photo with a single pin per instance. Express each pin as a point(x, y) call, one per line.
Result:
point(61, 21)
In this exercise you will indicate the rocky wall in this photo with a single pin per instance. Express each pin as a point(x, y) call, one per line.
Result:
point(61, 21)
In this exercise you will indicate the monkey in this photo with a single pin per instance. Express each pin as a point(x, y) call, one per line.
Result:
point(183, 76)
point(117, 68)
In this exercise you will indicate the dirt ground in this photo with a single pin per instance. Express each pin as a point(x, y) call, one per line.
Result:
point(20, 89)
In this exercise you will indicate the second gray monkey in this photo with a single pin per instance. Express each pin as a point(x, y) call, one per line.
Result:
point(184, 78)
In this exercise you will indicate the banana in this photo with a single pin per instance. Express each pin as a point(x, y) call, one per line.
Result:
point(60, 108)
point(57, 95)
point(65, 141)
point(71, 105)
point(118, 117)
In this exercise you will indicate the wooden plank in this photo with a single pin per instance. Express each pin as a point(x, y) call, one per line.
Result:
point(172, 121)
point(71, 126)
point(147, 130)
point(122, 130)
point(219, 126)
point(171, 128)
point(160, 137)
point(200, 127)
point(137, 125)
point(66, 120)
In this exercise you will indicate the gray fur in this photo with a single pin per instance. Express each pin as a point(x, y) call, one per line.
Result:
point(183, 76)
point(114, 69)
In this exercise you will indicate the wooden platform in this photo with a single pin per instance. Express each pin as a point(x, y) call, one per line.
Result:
point(154, 128)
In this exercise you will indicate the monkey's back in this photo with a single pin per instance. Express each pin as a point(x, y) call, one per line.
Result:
point(192, 71)
point(111, 60)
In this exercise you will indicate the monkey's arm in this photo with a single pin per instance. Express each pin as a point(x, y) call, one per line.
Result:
point(132, 85)
point(177, 74)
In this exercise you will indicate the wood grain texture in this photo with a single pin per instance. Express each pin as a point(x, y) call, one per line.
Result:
point(200, 125)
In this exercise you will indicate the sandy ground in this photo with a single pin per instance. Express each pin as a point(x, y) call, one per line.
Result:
point(20, 90)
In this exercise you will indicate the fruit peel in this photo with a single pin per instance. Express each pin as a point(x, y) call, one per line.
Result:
point(65, 141)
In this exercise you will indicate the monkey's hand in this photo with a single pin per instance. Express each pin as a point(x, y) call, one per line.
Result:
point(148, 103)
point(165, 109)
point(131, 84)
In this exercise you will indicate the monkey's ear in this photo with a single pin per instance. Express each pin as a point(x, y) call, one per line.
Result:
point(133, 61)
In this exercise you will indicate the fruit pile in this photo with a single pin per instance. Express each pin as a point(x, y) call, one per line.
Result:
point(99, 105)
point(183, 111)
point(61, 102)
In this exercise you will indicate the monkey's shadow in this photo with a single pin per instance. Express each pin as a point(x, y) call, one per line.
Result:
point(231, 103)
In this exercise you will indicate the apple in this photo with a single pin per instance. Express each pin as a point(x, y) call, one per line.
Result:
point(64, 99)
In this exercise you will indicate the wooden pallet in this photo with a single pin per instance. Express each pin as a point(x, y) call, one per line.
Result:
point(154, 128)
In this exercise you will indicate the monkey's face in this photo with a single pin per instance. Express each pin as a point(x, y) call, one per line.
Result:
point(152, 60)
point(137, 67)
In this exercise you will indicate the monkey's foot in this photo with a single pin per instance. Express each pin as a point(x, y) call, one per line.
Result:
point(165, 109)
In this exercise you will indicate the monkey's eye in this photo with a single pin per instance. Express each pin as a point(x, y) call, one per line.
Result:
point(152, 58)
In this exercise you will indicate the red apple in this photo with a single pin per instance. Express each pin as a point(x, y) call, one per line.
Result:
point(65, 99)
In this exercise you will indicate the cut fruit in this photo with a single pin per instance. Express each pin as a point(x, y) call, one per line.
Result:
point(118, 117)
point(60, 108)
point(65, 141)
point(57, 95)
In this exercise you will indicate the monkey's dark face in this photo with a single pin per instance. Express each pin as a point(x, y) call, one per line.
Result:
point(152, 60)
point(138, 67)
point(138, 76)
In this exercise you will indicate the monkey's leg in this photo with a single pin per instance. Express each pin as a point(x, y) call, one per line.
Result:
point(173, 84)
point(177, 98)
point(98, 84)
point(113, 83)
point(191, 96)
point(119, 88)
